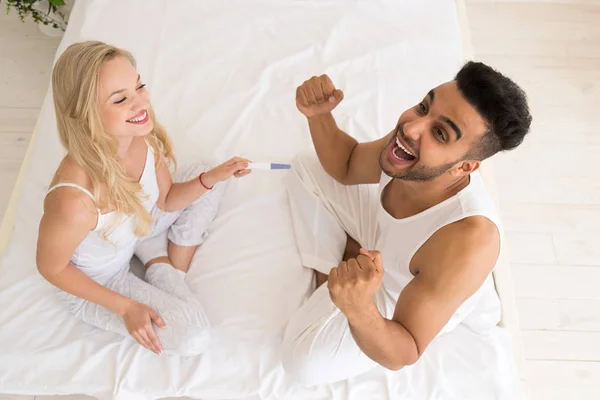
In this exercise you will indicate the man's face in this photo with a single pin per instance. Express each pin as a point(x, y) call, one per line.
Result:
point(433, 137)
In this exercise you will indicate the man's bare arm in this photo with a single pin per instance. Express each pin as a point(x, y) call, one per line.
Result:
point(454, 264)
point(363, 166)
point(342, 157)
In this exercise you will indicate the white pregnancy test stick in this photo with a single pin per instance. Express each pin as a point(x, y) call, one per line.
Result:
point(266, 165)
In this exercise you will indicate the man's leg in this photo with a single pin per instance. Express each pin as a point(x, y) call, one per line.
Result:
point(318, 347)
point(325, 213)
point(352, 250)
point(331, 222)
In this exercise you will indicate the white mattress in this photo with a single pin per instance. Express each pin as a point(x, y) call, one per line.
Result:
point(222, 75)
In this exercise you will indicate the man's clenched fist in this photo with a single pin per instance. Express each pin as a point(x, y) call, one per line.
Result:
point(317, 96)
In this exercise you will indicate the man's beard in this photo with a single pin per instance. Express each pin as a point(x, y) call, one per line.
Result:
point(418, 173)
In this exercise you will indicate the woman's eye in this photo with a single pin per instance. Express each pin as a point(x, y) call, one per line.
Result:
point(120, 101)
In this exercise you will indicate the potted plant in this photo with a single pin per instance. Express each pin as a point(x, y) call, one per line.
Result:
point(51, 15)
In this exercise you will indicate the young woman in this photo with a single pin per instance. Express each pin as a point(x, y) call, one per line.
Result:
point(112, 197)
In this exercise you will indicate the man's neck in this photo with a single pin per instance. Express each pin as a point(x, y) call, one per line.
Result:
point(413, 197)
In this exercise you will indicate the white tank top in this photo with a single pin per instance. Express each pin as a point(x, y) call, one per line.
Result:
point(102, 258)
point(401, 238)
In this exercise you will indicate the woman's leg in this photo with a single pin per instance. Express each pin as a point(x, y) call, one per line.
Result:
point(179, 257)
point(162, 272)
point(187, 330)
point(168, 252)
point(185, 229)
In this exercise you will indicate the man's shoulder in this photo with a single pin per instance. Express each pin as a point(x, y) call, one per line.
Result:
point(472, 242)
point(468, 233)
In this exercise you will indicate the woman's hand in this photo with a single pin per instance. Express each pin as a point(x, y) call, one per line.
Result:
point(138, 320)
point(234, 167)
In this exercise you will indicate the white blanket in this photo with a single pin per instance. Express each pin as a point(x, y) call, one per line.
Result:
point(222, 75)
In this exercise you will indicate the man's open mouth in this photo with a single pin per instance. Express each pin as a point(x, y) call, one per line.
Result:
point(401, 152)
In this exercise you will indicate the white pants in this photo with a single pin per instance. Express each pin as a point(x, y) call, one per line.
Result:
point(318, 346)
point(164, 290)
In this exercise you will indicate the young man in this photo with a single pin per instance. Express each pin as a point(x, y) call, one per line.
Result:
point(418, 249)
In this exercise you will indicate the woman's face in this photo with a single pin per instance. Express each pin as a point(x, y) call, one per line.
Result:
point(123, 100)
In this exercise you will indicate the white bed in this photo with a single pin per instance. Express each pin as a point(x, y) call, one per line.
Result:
point(222, 75)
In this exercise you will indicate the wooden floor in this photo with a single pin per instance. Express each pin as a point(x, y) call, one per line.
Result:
point(549, 188)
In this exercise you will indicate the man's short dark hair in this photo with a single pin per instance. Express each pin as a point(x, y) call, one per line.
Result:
point(501, 103)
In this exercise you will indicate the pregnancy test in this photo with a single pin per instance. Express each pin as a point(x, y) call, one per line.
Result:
point(266, 165)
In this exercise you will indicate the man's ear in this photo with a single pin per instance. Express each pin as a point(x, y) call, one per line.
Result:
point(466, 167)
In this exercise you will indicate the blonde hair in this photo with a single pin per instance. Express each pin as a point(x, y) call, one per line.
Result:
point(75, 89)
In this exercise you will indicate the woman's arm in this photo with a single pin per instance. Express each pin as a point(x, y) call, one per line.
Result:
point(68, 218)
point(176, 196)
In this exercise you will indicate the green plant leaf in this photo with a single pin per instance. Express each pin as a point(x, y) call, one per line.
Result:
point(24, 8)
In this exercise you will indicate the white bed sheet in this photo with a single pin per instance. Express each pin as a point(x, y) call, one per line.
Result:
point(222, 75)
